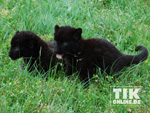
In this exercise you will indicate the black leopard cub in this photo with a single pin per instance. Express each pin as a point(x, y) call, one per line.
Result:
point(85, 55)
point(35, 52)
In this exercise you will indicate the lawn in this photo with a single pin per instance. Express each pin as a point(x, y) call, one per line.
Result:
point(125, 23)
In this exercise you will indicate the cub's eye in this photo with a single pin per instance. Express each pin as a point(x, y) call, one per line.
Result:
point(65, 44)
point(17, 48)
point(55, 42)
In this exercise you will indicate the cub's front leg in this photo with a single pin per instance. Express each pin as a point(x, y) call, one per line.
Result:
point(70, 65)
point(29, 63)
point(86, 71)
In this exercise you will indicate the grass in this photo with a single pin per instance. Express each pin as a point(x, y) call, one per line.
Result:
point(125, 23)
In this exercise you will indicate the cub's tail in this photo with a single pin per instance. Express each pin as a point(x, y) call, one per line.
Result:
point(135, 59)
point(127, 60)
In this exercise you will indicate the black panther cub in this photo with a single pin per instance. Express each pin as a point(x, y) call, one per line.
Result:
point(35, 51)
point(86, 55)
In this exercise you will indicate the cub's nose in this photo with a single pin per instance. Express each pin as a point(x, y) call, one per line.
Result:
point(55, 49)
point(9, 53)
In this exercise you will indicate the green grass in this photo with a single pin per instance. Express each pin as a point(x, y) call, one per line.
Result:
point(125, 23)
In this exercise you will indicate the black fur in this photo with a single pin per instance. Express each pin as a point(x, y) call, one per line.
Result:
point(33, 49)
point(86, 55)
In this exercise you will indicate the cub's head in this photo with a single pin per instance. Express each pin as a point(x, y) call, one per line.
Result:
point(22, 45)
point(67, 41)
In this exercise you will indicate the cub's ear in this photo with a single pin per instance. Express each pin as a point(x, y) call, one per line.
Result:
point(56, 28)
point(77, 34)
point(17, 32)
point(78, 31)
